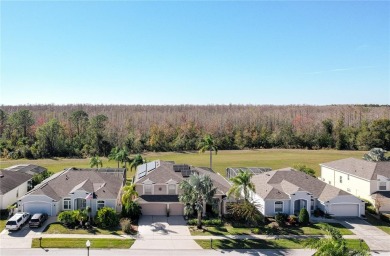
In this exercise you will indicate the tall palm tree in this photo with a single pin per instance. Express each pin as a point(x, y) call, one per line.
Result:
point(197, 191)
point(208, 144)
point(136, 161)
point(129, 193)
point(96, 161)
point(114, 155)
point(242, 185)
point(123, 156)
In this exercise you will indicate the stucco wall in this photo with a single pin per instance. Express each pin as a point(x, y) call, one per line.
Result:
point(354, 185)
point(13, 195)
point(347, 199)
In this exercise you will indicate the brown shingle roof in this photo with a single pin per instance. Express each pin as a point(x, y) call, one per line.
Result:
point(280, 184)
point(165, 172)
point(104, 185)
point(10, 180)
point(360, 168)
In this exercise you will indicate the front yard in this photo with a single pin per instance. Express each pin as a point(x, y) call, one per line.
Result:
point(266, 244)
point(378, 223)
point(227, 229)
point(80, 243)
point(58, 228)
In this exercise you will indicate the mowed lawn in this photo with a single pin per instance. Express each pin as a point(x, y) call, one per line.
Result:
point(274, 158)
point(80, 243)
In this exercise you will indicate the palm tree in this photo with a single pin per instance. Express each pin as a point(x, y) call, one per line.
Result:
point(123, 156)
point(128, 194)
point(334, 245)
point(242, 185)
point(95, 161)
point(114, 155)
point(208, 144)
point(197, 191)
point(136, 161)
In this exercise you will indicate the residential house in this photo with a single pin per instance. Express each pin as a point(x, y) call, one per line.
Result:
point(73, 189)
point(365, 179)
point(288, 191)
point(15, 181)
point(157, 184)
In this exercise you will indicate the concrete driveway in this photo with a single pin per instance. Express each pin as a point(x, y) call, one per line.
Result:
point(375, 238)
point(22, 238)
point(161, 232)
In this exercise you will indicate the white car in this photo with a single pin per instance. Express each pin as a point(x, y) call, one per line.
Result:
point(16, 222)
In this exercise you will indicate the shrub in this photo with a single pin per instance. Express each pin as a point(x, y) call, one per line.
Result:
point(106, 218)
point(273, 225)
point(318, 213)
point(256, 231)
point(245, 213)
point(385, 217)
point(210, 222)
point(292, 219)
point(126, 225)
point(132, 210)
point(281, 218)
point(304, 216)
point(67, 218)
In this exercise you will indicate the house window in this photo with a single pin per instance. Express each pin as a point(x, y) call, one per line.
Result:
point(341, 179)
point(279, 206)
point(382, 185)
point(148, 189)
point(312, 205)
point(172, 189)
point(348, 177)
point(67, 205)
point(100, 204)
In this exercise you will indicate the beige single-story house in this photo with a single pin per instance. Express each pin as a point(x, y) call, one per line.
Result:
point(288, 191)
point(73, 189)
point(157, 184)
point(365, 179)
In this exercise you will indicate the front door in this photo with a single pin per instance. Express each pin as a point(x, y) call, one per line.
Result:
point(80, 204)
point(298, 205)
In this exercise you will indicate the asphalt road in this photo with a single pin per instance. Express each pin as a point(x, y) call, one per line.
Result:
point(83, 252)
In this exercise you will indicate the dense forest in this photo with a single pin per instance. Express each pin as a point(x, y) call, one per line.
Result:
point(36, 131)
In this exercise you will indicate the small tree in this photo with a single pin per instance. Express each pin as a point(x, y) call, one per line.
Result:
point(131, 210)
point(208, 144)
point(305, 169)
point(126, 225)
point(303, 216)
point(106, 218)
point(378, 202)
point(376, 155)
point(246, 213)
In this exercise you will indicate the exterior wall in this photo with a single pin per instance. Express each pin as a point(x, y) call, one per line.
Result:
point(160, 189)
point(139, 188)
point(258, 201)
point(270, 207)
point(12, 196)
point(350, 183)
point(300, 195)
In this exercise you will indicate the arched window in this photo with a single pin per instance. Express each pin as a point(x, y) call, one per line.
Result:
point(278, 206)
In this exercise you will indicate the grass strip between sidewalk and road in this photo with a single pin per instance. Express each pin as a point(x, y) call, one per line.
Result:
point(266, 244)
point(96, 243)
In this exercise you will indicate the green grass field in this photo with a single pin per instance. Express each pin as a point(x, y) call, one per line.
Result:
point(274, 158)
point(96, 243)
point(58, 228)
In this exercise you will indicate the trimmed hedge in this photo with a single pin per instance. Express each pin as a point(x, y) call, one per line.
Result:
point(210, 222)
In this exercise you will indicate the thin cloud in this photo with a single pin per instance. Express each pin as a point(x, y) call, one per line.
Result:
point(338, 70)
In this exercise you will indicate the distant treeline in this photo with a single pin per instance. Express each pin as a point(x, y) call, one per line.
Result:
point(35, 131)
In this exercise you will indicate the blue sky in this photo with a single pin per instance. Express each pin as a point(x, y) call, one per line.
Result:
point(198, 52)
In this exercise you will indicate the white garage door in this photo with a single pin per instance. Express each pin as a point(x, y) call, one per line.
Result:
point(344, 210)
point(176, 209)
point(37, 207)
point(154, 209)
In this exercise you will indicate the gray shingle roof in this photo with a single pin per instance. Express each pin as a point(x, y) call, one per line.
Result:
point(280, 184)
point(165, 172)
point(361, 168)
point(10, 180)
point(27, 168)
point(104, 185)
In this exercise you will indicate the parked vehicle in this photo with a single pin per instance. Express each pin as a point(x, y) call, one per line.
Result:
point(37, 220)
point(16, 222)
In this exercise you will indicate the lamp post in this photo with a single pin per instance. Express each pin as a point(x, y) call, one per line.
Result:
point(88, 244)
